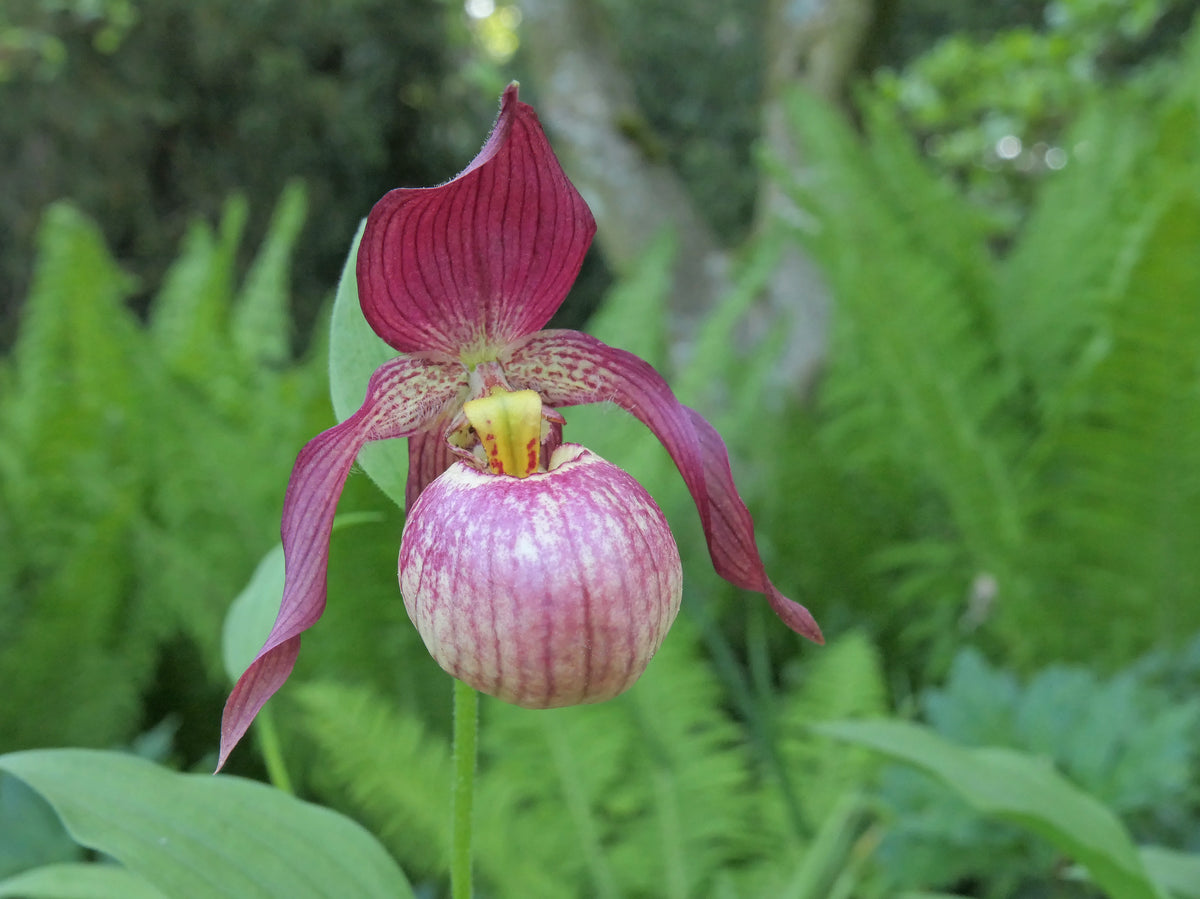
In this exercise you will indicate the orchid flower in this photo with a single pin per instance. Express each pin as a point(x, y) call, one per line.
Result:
point(533, 569)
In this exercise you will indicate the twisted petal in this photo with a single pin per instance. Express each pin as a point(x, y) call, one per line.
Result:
point(568, 368)
point(482, 259)
point(403, 396)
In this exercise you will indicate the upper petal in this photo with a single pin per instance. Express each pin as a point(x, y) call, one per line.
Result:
point(482, 259)
point(403, 395)
point(569, 368)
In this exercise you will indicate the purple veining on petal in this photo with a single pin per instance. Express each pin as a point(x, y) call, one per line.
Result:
point(402, 395)
point(568, 368)
point(483, 259)
point(550, 590)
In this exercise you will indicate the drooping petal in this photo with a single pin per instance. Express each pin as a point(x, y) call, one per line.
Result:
point(403, 395)
point(569, 368)
point(480, 260)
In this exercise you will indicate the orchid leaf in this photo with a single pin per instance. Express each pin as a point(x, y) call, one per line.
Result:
point(1178, 872)
point(355, 351)
point(196, 835)
point(78, 880)
point(1020, 788)
point(251, 614)
point(253, 611)
point(30, 833)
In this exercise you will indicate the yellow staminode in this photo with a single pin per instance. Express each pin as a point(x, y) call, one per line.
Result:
point(509, 424)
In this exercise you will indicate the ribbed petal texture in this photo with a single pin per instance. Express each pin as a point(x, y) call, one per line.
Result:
point(482, 259)
point(545, 591)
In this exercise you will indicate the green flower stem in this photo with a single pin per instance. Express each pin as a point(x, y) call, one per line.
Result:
point(466, 746)
point(272, 752)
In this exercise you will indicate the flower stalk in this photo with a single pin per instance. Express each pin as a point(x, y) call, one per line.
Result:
point(462, 803)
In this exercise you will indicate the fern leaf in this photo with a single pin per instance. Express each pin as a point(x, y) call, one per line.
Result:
point(1127, 464)
point(390, 767)
point(259, 325)
point(844, 681)
point(70, 505)
point(1054, 280)
point(913, 366)
point(189, 315)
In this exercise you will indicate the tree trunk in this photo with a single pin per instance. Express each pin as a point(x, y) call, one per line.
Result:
point(587, 102)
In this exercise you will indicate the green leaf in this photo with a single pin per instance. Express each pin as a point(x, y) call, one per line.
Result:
point(1132, 451)
point(259, 322)
point(1178, 872)
point(189, 314)
point(913, 358)
point(77, 880)
point(195, 835)
point(355, 351)
point(252, 613)
point(30, 833)
point(1019, 788)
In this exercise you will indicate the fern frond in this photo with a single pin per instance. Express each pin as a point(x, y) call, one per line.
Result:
point(189, 315)
point(844, 681)
point(1126, 464)
point(695, 776)
point(394, 772)
point(1054, 280)
point(259, 324)
point(913, 371)
point(647, 795)
point(71, 505)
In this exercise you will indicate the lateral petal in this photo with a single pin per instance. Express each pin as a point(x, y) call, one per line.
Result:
point(569, 368)
point(403, 395)
point(482, 259)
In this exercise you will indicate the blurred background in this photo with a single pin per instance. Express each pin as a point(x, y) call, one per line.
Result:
point(932, 269)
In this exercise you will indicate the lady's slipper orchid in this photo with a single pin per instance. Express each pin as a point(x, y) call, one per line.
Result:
point(534, 570)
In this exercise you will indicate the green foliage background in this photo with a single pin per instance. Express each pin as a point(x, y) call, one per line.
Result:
point(141, 470)
point(147, 114)
point(1002, 462)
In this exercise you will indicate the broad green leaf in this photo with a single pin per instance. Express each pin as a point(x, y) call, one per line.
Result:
point(251, 614)
point(253, 611)
point(1178, 872)
point(355, 351)
point(1020, 788)
point(77, 880)
point(196, 835)
point(30, 832)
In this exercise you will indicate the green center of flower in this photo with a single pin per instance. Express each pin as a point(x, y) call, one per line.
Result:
point(509, 425)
